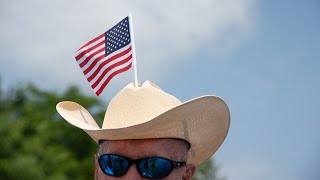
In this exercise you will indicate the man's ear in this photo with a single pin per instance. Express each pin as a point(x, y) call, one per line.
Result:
point(190, 171)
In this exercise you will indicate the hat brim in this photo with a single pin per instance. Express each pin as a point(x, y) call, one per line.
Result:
point(203, 121)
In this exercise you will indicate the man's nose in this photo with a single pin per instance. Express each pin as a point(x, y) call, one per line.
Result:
point(133, 173)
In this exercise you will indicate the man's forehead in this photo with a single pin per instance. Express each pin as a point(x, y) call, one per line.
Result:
point(144, 141)
point(144, 147)
point(138, 142)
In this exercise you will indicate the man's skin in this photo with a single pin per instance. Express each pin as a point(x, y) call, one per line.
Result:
point(173, 149)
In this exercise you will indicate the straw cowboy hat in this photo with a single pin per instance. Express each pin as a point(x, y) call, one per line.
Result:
point(147, 112)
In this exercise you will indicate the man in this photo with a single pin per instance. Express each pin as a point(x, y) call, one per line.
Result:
point(149, 134)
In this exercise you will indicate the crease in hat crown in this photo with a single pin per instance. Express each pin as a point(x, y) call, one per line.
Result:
point(136, 105)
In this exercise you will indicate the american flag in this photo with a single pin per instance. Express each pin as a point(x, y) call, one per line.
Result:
point(106, 56)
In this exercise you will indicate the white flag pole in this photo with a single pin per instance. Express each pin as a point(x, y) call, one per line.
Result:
point(133, 51)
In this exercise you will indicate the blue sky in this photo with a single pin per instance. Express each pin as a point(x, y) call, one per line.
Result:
point(262, 57)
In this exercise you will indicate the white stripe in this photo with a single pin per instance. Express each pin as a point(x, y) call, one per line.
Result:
point(83, 58)
point(92, 60)
point(102, 60)
point(89, 46)
point(109, 73)
point(105, 67)
point(99, 54)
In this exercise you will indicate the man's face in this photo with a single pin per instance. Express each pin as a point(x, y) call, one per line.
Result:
point(172, 149)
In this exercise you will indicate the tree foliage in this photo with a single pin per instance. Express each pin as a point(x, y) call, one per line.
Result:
point(207, 170)
point(36, 143)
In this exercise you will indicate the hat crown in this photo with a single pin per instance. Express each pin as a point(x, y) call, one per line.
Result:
point(136, 105)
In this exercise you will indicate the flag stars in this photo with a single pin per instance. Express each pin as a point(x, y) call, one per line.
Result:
point(115, 40)
point(118, 36)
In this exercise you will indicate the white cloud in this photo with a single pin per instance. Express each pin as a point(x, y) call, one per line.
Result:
point(39, 37)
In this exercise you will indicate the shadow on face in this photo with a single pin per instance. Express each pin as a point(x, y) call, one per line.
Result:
point(172, 149)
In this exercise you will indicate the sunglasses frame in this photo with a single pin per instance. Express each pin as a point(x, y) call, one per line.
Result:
point(174, 164)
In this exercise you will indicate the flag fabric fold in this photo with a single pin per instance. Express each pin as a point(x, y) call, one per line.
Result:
point(106, 56)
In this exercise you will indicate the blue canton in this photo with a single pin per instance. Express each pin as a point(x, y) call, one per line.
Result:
point(118, 36)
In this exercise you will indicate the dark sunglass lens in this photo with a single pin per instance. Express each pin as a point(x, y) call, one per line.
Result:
point(114, 165)
point(155, 168)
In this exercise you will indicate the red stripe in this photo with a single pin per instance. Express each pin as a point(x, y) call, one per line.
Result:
point(93, 54)
point(104, 63)
point(93, 40)
point(109, 69)
point(111, 76)
point(89, 50)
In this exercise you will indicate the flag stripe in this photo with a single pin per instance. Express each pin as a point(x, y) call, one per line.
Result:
point(93, 56)
point(98, 60)
point(93, 71)
point(91, 42)
point(93, 79)
point(105, 72)
point(98, 92)
point(89, 49)
point(83, 58)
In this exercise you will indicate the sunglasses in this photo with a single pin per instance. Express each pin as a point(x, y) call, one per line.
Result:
point(151, 167)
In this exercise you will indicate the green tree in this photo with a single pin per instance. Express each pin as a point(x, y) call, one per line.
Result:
point(208, 170)
point(36, 143)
